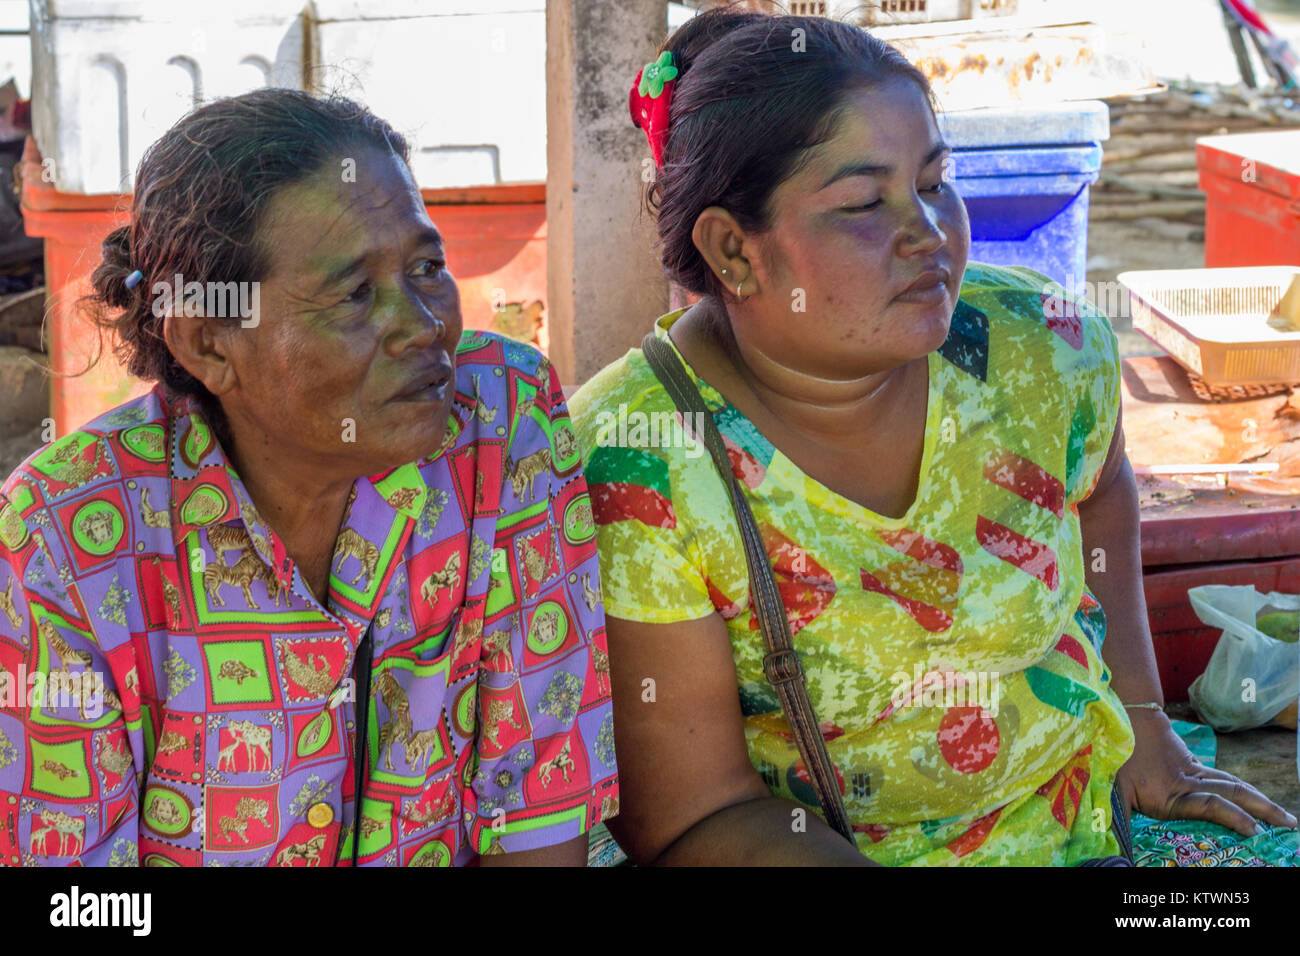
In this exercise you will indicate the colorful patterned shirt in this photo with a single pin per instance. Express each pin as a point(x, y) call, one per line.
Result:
point(224, 732)
point(952, 654)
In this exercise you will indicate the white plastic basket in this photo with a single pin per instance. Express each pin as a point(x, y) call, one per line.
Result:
point(1214, 322)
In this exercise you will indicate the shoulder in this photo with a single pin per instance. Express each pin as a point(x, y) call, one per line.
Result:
point(640, 461)
point(489, 364)
point(1032, 322)
point(627, 391)
point(501, 384)
point(613, 414)
point(71, 491)
point(124, 442)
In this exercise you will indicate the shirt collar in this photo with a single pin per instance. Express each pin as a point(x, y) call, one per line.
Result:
point(202, 482)
point(206, 490)
point(713, 399)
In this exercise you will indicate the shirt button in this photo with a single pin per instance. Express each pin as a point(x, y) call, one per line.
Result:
point(320, 815)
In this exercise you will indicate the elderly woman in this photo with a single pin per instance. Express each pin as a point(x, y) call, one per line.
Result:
point(932, 454)
point(336, 571)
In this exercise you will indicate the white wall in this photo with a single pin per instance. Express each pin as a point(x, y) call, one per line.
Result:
point(15, 51)
point(465, 82)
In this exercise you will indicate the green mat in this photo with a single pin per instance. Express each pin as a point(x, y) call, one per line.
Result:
point(1198, 843)
point(602, 850)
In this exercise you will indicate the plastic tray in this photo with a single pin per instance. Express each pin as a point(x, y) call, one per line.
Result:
point(1214, 321)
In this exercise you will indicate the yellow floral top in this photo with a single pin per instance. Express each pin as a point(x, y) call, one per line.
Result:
point(952, 654)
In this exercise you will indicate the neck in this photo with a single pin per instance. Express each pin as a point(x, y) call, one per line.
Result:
point(831, 410)
point(296, 494)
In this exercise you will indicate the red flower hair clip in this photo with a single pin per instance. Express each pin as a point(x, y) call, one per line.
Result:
point(651, 94)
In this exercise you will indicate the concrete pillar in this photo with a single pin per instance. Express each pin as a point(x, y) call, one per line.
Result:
point(603, 276)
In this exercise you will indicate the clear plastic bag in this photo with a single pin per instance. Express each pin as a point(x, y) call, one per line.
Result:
point(1252, 679)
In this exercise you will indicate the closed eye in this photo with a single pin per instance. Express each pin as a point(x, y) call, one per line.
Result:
point(360, 293)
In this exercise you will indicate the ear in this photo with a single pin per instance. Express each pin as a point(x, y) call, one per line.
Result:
point(722, 243)
point(202, 346)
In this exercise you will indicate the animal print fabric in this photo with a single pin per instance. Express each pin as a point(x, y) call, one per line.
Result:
point(131, 548)
point(952, 654)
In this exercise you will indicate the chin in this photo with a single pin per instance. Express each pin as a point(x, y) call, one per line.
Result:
point(930, 328)
point(427, 443)
point(940, 334)
point(416, 437)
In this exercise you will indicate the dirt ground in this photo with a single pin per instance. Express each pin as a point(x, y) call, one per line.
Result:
point(1264, 758)
point(1115, 247)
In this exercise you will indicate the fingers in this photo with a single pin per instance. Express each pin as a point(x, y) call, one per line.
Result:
point(1204, 805)
point(1244, 795)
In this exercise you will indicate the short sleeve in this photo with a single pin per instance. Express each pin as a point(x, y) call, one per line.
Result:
point(652, 567)
point(1085, 355)
point(546, 770)
point(67, 763)
point(1096, 391)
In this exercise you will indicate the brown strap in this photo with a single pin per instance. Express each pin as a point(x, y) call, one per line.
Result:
point(781, 665)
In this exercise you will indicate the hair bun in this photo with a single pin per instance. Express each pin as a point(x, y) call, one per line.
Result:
point(109, 279)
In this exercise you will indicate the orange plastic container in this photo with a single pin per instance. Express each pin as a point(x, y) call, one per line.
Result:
point(1252, 187)
point(496, 248)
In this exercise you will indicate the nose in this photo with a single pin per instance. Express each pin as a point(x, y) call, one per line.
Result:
point(922, 232)
point(417, 324)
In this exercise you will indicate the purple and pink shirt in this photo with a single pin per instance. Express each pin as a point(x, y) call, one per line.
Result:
point(223, 730)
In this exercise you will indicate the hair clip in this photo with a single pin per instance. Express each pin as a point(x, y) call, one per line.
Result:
point(649, 99)
point(133, 279)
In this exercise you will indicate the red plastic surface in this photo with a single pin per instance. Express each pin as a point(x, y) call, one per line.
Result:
point(1254, 223)
point(1182, 643)
point(496, 248)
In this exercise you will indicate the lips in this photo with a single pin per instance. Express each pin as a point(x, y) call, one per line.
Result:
point(426, 383)
point(927, 283)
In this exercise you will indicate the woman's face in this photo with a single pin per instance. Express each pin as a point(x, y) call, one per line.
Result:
point(865, 217)
point(352, 359)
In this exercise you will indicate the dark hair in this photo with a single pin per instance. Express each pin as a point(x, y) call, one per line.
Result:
point(751, 97)
point(200, 196)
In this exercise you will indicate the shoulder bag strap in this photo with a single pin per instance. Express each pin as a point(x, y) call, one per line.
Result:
point(781, 664)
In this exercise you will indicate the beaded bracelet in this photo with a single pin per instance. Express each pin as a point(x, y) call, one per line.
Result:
point(1149, 705)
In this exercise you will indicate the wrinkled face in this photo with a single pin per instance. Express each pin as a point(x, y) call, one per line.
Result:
point(352, 358)
point(866, 216)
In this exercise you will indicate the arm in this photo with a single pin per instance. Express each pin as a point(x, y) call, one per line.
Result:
point(1109, 522)
point(570, 853)
point(690, 794)
point(70, 749)
point(1162, 778)
point(546, 767)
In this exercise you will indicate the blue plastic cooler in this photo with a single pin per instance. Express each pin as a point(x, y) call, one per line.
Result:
point(1024, 175)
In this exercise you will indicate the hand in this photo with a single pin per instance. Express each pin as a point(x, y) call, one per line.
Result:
point(1164, 781)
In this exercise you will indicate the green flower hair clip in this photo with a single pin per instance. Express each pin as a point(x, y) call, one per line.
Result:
point(656, 74)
